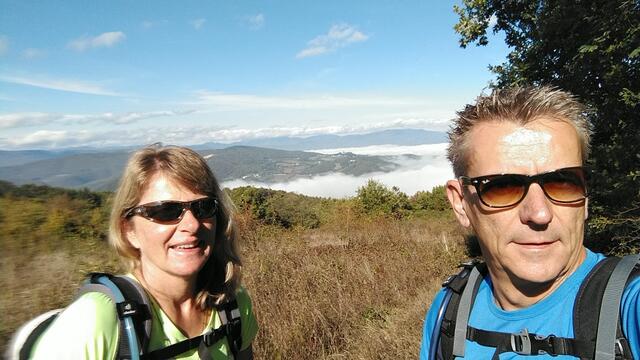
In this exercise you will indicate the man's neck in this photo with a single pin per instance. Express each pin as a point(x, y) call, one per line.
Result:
point(512, 293)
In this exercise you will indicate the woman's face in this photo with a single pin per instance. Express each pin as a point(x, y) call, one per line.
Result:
point(180, 249)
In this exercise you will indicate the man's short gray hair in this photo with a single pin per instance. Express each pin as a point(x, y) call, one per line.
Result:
point(520, 105)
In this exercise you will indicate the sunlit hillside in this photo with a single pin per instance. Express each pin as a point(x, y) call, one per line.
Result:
point(338, 279)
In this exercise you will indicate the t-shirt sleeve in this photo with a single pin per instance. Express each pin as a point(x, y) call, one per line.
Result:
point(86, 329)
point(247, 318)
point(429, 323)
point(631, 316)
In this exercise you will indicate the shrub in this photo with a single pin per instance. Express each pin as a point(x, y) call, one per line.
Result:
point(374, 198)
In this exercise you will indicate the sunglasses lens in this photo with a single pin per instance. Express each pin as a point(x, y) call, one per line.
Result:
point(204, 208)
point(502, 190)
point(168, 211)
point(565, 185)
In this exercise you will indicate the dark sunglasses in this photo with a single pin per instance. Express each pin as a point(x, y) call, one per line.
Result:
point(566, 185)
point(171, 211)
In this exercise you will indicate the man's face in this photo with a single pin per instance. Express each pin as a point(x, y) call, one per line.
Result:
point(536, 241)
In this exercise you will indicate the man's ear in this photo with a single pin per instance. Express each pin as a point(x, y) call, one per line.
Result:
point(456, 199)
point(129, 233)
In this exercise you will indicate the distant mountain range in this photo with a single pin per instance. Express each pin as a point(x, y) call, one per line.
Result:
point(276, 160)
point(319, 142)
point(101, 171)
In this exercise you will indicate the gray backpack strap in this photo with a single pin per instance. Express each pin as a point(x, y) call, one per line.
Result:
point(610, 308)
point(88, 287)
point(464, 310)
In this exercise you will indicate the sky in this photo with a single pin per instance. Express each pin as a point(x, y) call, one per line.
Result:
point(79, 73)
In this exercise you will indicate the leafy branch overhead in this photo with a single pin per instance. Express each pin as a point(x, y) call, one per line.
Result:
point(592, 49)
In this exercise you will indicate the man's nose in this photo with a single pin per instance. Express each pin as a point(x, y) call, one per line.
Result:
point(536, 207)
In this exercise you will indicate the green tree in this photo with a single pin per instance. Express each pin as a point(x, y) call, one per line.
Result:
point(592, 49)
point(375, 198)
point(434, 200)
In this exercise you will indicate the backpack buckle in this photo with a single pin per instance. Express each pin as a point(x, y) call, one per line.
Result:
point(521, 343)
point(545, 345)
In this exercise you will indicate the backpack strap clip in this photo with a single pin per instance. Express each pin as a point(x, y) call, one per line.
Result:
point(524, 343)
point(521, 343)
point(127, 308)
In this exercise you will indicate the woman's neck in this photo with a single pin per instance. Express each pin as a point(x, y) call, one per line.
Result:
point(176, 297)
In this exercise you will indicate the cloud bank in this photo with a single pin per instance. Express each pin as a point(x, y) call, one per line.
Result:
point(430, 169)
point(175, 134)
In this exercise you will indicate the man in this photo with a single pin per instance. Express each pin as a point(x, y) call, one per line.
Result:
point(518, 157)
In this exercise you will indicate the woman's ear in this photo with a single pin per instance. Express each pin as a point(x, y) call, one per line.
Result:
point(129, 233)
point(455, 194)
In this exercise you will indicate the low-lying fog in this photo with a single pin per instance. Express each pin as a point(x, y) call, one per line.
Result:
point(426, 169)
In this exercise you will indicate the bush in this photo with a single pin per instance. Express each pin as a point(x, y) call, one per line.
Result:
point(374, 198)
point(434, 200)
point(279, 208)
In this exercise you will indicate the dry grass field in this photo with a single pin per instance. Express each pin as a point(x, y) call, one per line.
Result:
point(353, 288)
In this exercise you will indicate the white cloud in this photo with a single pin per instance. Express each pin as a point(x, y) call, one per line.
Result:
point(21, 120)
point(198, 23)
point(256, 21)
point(49, 139)
point(231, 135)
point(24, 119)
point(32, 53)
point(422, 174)
point(176, 134)
point(60, 84)
point(107, 39)
point(246, 101)
point(337, 37)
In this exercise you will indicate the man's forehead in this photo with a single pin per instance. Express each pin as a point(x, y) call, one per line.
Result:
point(522, 145)
point(503, 146)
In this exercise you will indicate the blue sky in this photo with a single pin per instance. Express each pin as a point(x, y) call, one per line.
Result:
point(122, 72)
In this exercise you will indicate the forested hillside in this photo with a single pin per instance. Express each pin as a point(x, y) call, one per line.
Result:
point(329, 278)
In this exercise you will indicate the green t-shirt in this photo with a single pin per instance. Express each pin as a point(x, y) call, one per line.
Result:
point(88, 329)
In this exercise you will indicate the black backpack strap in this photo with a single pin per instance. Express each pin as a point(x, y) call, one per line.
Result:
point(203, 341)
point(136, 305)
point(229, 313)
point(525, 343)
point(600, 295)
point(231, 329)
point(457, 284)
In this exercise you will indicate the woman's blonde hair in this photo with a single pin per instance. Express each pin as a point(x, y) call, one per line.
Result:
point(220, 277)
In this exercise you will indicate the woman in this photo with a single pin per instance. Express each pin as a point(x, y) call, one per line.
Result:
point(172, 225)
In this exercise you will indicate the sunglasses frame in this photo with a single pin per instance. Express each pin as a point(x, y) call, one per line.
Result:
point(476, 182)
point(186, 205)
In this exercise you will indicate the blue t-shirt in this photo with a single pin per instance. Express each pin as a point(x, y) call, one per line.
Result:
point(551, 315)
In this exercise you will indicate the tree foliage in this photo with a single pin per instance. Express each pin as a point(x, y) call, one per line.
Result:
point(276, 207)
point(375, 198)
point(592, 49)
point(433, 201)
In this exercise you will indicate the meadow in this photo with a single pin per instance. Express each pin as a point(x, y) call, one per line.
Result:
point(329, 279)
